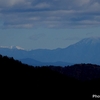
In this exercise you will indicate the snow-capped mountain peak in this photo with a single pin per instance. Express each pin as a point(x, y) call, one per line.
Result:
point(12, 47)
point(90, 40)
point(16, 47)
point(4, 47)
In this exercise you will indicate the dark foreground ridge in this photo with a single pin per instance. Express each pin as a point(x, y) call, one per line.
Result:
point(48, 82)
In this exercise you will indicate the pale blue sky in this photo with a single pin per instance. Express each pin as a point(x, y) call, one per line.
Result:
point(34, 24)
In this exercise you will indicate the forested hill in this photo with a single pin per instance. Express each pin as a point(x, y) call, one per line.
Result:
point(50, 81)
point(82, 72)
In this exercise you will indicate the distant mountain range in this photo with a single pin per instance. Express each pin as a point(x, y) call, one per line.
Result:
point(85, 51)
point(33, 62)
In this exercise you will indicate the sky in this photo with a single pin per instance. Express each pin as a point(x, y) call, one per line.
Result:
point(48, 24)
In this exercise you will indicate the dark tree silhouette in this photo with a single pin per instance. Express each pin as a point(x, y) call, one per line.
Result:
point(78, 81)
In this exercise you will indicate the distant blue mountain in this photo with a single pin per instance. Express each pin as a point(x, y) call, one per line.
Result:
point(33, 62)
point(84, 51)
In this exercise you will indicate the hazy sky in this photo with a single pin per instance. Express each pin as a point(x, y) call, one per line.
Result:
point(51, 24)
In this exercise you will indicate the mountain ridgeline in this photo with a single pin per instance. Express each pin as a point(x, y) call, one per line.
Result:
point(78, 81)
point(84, 51)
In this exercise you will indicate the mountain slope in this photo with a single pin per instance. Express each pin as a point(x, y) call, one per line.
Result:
point(84, 51)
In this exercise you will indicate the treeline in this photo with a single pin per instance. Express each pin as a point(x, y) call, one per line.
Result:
point(82, 72)
point(51, 81)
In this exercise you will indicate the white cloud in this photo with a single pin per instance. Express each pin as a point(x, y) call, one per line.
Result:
point(82, 2)
point(53, 13)
point(9, 3)
point(95, 7)
point(42, 5)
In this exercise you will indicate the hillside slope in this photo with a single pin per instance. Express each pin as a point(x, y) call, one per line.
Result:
point(18, 78)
